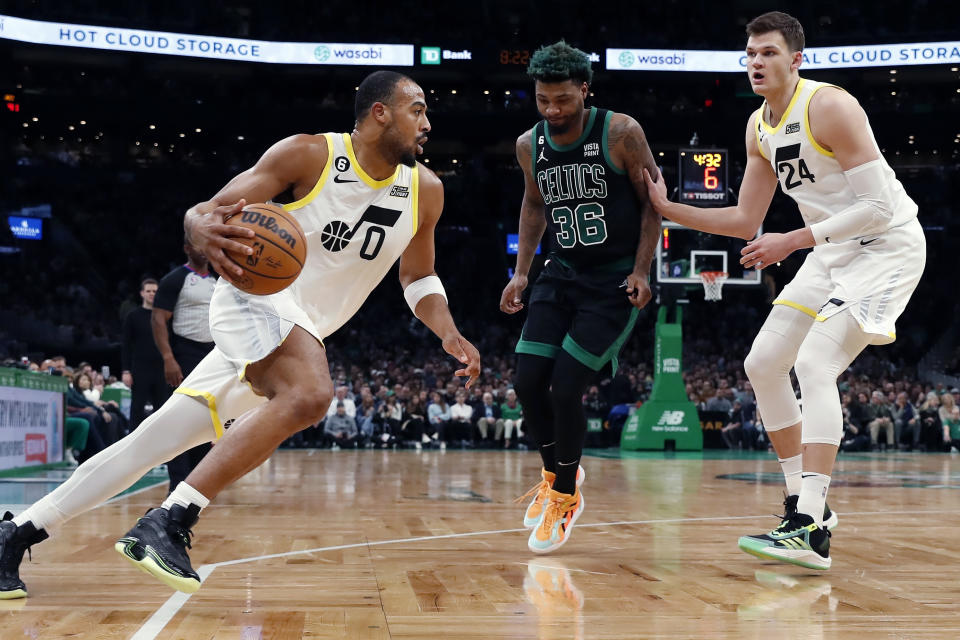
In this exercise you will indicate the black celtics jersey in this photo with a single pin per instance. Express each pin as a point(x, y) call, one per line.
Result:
point(593, 215)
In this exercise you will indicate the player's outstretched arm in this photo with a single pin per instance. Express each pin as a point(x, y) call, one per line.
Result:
point(742, 221)
point(629, 148)
point(421, 286)
point(295, 161)
point(532, 224)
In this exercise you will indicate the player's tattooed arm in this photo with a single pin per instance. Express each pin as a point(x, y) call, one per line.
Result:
point(628, 148)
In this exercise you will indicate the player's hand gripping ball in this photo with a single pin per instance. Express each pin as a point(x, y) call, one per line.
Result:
point(279, 249)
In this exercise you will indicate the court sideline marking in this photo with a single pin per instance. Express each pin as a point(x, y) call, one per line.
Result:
point(162, 616)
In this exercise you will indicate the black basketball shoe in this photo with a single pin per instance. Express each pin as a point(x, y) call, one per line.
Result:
point(14, 541)
point(797, 540)
point(158, 545)
point(830, 519)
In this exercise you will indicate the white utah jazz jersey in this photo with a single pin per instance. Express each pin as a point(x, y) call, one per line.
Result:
point(356, 228)
point(810, 174)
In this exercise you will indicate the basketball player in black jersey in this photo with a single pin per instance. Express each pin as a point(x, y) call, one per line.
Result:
point(583, 184)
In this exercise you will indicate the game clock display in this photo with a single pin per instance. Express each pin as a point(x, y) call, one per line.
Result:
point(515, 56)
point(703, 177)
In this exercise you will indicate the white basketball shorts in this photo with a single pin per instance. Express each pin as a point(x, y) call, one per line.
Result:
point(245, 329)
point(872, 278)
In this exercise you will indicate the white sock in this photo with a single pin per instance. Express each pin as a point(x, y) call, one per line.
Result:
point(813, 495)
point(43, 514)
point(185, 495)
point(792, 468)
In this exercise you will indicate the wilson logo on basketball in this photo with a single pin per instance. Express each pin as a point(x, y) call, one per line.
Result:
point(269, 223)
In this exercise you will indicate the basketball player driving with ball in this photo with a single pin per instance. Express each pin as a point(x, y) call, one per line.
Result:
point(868, 255)
point(268, 375)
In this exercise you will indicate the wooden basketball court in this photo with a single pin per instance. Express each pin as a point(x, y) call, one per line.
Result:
point(423, 545)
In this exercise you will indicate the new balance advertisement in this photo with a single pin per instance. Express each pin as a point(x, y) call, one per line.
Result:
point(667, 420)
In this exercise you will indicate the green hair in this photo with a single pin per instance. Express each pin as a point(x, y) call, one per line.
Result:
point(559, 62)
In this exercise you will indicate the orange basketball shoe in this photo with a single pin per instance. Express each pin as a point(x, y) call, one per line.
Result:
point(540, 491)
point(560, 513)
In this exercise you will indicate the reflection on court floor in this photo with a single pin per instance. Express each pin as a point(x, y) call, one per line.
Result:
point(429, 545)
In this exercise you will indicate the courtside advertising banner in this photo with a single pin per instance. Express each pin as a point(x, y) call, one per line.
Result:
point(876, 55)
point(197, 46)
point(31, 427)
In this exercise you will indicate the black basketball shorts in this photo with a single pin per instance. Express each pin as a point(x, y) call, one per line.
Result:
point(585, 313)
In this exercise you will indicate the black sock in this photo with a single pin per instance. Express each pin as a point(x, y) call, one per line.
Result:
point(548, 455)
point(570, 380)
point(566, 481)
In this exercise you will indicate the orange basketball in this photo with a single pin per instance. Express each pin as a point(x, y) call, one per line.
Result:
point(279, 249)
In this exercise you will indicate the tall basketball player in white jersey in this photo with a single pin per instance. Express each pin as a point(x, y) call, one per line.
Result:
point(268, 374)
point(868, 256)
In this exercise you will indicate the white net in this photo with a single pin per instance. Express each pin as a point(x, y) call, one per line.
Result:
point(713, 284)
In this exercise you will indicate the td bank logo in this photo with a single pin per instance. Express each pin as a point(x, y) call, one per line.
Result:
point(322, 53)
point(429, 55)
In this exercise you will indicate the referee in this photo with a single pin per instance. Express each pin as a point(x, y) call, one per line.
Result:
point(181, 329)
point(142, 369)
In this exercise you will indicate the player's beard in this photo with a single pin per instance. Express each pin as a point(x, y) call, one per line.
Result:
point(408, 158)
point(560, 129)
point(401, 151)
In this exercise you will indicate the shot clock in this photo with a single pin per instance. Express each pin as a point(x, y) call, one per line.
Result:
point(703, 177)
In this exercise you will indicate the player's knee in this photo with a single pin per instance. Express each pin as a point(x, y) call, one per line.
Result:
point(753, 366)
point(766, 358)
point(309, 406)
point(564, 393)
point(533, 375)
point(527, 386)
point(810, 368)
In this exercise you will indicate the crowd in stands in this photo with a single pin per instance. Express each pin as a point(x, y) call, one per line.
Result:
point(91, 423)
point(395, 388)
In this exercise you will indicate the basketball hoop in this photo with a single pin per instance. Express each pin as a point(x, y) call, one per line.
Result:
point(713, 284)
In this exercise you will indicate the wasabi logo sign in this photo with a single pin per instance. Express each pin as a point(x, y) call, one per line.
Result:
point(200, 46)
point(867, 55)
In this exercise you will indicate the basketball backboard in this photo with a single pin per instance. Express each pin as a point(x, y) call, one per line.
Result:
point(682, 253)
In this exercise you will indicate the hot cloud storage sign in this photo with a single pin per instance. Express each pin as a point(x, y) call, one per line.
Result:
point(181, 44)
